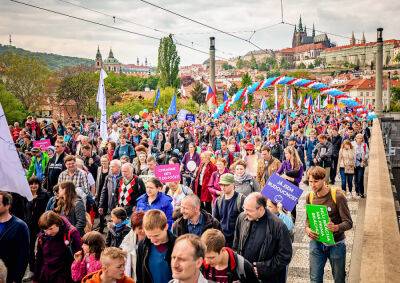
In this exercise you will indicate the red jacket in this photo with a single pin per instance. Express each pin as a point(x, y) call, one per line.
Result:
point(205, 194)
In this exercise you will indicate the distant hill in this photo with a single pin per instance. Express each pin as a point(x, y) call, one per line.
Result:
point(53, 61)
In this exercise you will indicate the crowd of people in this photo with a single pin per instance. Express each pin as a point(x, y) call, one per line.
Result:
point(99, 213)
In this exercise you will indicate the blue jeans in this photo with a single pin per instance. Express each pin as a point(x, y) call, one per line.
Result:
point(336, 254)
point(359, 179)
point(347, 179)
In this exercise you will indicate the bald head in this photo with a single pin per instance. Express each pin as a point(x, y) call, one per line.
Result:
point(254, 206)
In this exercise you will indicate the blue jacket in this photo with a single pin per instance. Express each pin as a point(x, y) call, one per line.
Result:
point(309, 147)
point(162, 202)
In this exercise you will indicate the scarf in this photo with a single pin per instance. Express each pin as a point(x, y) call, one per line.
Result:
point(121, 225)
point(240, 179)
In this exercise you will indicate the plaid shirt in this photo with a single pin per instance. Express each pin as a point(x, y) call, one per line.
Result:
point(79, 179)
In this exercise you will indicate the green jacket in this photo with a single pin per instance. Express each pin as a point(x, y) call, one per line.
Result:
point(32, 170)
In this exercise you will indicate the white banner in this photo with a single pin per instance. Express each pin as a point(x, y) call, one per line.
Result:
point(101, 100)
point(12, 175)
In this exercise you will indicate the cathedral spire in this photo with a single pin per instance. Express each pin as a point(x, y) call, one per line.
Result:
point(363, 39)
point(98, 54)
point(305, 29)
point(300, 24)
point(353, 39)
point(111, 54)
point(313, 30)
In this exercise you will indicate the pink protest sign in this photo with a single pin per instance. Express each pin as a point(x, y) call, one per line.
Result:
point(43, 144)
point(168, 173)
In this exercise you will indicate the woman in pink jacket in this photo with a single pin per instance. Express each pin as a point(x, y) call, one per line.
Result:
point(213, 185)
point(88, 261)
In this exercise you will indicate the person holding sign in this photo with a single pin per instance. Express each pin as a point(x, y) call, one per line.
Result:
point(340, 221)
point(292, 170)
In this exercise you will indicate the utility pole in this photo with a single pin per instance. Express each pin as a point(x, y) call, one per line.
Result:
point(379, 73)
point(212, 63)
point(388, 93)
point(9, 39)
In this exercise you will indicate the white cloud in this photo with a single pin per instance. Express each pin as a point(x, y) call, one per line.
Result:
point(42, 31)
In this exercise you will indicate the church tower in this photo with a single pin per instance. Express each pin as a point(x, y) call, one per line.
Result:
point(353, 39)
point(99, 60)
point(363, 39)
point(313, 30)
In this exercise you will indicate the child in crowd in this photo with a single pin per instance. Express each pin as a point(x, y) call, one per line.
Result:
point(118, 228)
point(112, 268)
point(88, 260)
point(277, 209)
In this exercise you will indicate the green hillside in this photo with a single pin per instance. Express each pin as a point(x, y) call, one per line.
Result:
point(54, 61)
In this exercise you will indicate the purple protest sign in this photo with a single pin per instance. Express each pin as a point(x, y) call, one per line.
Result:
point(168, 173)
point(278, 189)
point(43, 144)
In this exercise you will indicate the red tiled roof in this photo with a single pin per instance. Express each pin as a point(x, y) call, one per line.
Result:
point(369, 84)
point(303, 48)
point(394, 41)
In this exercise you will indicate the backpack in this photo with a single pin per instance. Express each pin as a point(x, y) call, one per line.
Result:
point(239, 201)
point(333, 195)
point(241, 273)
point(67, 241)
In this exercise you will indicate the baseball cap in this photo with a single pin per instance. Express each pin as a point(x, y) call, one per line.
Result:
point(227, 179)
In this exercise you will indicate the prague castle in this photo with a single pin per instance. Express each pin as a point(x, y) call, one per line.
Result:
point(111, 64)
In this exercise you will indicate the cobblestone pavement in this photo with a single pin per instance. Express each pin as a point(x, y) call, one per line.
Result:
point(299, 270)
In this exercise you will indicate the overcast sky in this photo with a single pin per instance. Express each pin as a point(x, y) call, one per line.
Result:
point(37, 30)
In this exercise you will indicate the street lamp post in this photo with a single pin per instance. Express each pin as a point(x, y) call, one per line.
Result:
point(379, 73)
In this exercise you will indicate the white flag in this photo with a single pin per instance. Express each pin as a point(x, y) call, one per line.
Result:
point(276, 98)
point(183, 91)
point(12, 175)
point(291, 106)
point(101, 100)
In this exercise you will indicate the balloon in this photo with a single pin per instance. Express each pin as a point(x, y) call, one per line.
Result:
point(145, 115)
point(141, 113)
point(145, 111)
point(146, 125)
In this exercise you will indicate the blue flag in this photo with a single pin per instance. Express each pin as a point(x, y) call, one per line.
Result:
point(172, 106)
point(264, 105)
point(157, 97)
point(226, 96)
point(287, 126)
point(278, 120)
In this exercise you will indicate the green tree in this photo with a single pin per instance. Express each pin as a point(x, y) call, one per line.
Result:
point(253, 63)
point(318, 62)
point(13, 108)
point(24, 77)
point(198, 93)
point(311, 66)
point(395, 91)
point(246, 80)
point(301, 66)
point(226, 66)
point(397, 58)
point(271, 63)
point(239, 63)
point(284, 64)
point(260, 77)
point(232, 89)
point(82, 88)
point(168, 63)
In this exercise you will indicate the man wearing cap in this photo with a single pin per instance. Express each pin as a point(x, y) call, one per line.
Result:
point(228, 206)
point(38, 164)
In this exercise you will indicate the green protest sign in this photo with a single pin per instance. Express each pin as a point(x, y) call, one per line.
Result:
point(318, 218)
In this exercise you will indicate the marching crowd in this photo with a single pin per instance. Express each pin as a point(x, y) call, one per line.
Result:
point(99, 213)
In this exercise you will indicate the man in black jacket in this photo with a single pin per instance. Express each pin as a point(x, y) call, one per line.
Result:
point(14, 241)
point(154, 251)
point(55, 166)
point(263, 239)
point(193, 220)
point(336, 141)
point(322, 155)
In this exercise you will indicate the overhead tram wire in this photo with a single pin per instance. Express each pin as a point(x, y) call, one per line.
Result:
point(203, 24)
point(108, 26)
point(141, 25)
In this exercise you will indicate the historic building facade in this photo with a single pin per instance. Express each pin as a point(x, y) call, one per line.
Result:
point(111, 64)
point(361, 55)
